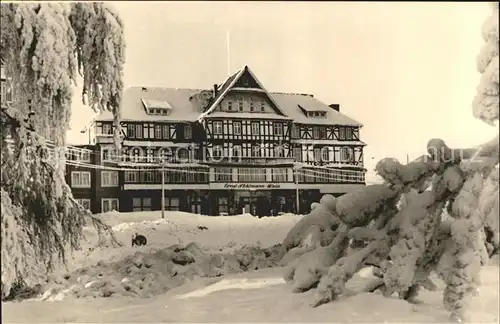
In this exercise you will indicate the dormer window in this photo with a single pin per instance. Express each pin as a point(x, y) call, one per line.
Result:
point(229, 106)
point(240, 105)
point(252, 106)
point(157, 107)
point(317, 114)
point(262, 106)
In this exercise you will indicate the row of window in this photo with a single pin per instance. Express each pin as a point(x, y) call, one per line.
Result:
point(255, 129)
point(146, 131)
point(107, 204)
point(237, 151)
point(316, 113)
point(239, 105)
point(324, 154)
point(150, 155)
point(138, 204)
point(250, 175)
point(186, 176)
point(318, 132)
point(82, 179)
point(270, 150)
point(167, 132)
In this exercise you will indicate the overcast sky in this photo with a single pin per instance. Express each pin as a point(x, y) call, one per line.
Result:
point(407, 71)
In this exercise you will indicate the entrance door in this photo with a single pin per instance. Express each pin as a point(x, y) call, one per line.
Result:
point(196, 208)
point(248, 203)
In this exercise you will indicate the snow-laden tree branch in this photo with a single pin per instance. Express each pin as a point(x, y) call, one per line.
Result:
point(486, 102)
point(42, 45)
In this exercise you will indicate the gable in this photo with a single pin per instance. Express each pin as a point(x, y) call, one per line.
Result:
point(244, 77)
point(246, 81)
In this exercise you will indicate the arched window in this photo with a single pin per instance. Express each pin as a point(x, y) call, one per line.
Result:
point(136, 155)
point(346, 155)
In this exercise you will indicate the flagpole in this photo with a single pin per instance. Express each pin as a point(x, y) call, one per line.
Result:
point(228, 53)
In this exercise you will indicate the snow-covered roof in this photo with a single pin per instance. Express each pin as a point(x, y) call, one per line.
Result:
point(183, 108)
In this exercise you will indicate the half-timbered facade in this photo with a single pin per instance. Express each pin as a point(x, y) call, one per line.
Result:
point(234, 148)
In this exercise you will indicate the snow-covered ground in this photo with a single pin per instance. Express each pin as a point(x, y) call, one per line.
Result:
point(254, 296)
point(222, 233)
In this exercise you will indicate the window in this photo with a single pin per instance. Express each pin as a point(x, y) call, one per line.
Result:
point(229, 105)
point(322, 133)
point(146, 204)
point(131, 130)
point(237, 128)
point(85, 156)
point(182, 155)
point(109, 178)
point(217, 127)
point(84, 202)
point(138, 131)
point(141, 204)
point(157, 131)
point(278, 129)
point(255, 130)
point(166, 131)
point(188, 132)
point(315, 133)
point(80, 179)
point(136, 155)
point(106, 155)
point(279, 175)
point(295, 131)
point(252, 107)
point(78, 155)
point(149, 155)
point(223, 204)
point(297, 153)
point(324, 154)
point(131, 176)
point(346, 154)
point(342, 133)
point(146, 176)
point(237, 151)
point(146, 130)
point(240, 105)
point(109, 204)
point(223, 174)
point(256, 151)
point(348, 133)
point(217, 151)
point(165, 155)
point(317, 154)
point(171, 203)
point(262, 106)
point(107, 129)
point(279, 151)
point(251, 174)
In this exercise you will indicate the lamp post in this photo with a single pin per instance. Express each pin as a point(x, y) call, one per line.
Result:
point(163, 189)
point(296, 168)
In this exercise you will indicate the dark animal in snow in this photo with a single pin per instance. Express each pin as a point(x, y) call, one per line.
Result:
point(139, 239)
point(201, 228)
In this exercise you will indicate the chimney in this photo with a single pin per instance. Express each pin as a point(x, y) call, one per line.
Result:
point(335, 107)
point(215, 90)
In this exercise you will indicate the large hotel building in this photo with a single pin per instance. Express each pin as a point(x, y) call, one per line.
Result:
point(233, 148)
